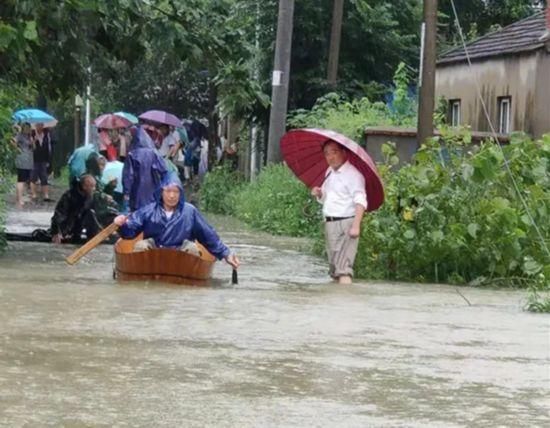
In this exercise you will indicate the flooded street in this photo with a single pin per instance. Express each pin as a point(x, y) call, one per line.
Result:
point(284, 347)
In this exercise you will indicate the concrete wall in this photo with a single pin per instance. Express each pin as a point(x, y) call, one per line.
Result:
point(405, 146)
point(525, 78)
point(405, 141)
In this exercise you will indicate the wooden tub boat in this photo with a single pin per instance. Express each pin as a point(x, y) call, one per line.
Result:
point(162, 264)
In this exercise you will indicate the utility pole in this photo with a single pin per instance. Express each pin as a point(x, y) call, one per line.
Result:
point(427, 73)
point(281, 74)
point(78, 103)
point(335, 40)
point(88, 107)
point(256, 76)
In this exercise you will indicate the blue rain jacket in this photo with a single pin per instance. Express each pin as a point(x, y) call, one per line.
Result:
point(143, 170)
point(186, 223)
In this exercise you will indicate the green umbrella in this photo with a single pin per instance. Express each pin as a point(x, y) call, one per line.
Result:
point(128, 116)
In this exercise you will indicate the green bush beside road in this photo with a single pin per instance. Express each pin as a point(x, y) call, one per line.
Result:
point(454, 215)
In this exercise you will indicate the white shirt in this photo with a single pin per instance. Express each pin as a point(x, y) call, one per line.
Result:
point(342, 190)
point(167, 143)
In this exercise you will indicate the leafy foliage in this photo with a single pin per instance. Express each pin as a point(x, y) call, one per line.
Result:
point(350, 118)
point(376, 36)
point(454, 216)
point(218, 190)
point(278, 203)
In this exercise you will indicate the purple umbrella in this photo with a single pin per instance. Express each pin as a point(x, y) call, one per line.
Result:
point(160, 116)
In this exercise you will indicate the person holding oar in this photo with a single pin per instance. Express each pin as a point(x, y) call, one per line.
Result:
point(170, 222)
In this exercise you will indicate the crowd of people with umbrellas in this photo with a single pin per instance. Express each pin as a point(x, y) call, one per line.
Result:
point(118, 171)
point(135, 166)
point(33, 143)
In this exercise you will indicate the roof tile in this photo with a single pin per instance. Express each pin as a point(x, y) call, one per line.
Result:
point(521, 36)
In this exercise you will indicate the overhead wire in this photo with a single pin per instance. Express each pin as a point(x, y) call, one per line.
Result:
point(495, 135)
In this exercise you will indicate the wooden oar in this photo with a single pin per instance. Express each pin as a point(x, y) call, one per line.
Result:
point(91, 244)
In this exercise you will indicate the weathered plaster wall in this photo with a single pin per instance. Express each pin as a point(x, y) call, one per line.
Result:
point(525, 78)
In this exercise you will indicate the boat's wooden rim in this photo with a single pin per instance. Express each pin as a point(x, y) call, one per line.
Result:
point(163, 264)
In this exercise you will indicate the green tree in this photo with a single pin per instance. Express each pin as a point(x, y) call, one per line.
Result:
point(478, 17)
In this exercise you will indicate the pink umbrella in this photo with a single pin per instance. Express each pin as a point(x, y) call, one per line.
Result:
point(302, 150)
point(162, 117)
point(111, 121)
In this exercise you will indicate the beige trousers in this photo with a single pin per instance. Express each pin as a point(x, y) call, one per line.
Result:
point(149, 244)
point(341, 248)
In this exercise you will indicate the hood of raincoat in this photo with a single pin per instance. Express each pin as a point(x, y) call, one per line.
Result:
point(170, 179)
point(140, 139)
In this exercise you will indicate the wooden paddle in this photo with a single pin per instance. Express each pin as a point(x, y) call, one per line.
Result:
point(91, 244)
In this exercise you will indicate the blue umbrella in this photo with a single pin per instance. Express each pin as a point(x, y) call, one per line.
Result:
point(113, 170)
point(128, 116)
point(33, 115)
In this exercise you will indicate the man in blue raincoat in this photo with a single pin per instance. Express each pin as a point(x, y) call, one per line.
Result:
point(143, 170)
point(170, 222)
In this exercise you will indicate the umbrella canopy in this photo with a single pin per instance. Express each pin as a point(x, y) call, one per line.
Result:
point(34, 116)
point(302, 150)
point(113, 170)
point(162, 117)
point(128, 116)
point(111, 121)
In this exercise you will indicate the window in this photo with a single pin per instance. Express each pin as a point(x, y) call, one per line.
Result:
point(454, 110)
point(504, 107)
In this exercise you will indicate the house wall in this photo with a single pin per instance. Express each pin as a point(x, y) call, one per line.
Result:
point(541, 115)
point(514, 76)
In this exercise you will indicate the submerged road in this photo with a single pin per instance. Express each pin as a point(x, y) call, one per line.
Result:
point(284, 347)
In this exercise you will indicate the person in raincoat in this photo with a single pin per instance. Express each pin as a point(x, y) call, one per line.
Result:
point(170, 222)
point(143, 170)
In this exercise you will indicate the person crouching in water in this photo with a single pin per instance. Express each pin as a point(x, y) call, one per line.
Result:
point(75, 212)
point(170, 222)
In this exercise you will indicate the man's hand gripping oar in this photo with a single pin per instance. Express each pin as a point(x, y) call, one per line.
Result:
point(91, 244)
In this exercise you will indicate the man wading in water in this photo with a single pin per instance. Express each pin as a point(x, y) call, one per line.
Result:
point(344, 202)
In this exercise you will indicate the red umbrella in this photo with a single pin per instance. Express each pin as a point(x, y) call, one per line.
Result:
point(111, 121)
point(302, 150)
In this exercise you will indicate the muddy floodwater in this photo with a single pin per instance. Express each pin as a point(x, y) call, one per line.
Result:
point(283, 348)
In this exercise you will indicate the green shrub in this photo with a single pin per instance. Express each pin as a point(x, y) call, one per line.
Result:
point(278, 203)
point(218, 191)
point(350, 118)
point(454, 216)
